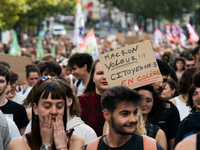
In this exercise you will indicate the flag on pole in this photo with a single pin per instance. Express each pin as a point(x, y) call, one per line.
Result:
point(193, 35)
point(89, 45)
point(53, 52)
point(40, 51)
point(14, 48)
point(79, 25)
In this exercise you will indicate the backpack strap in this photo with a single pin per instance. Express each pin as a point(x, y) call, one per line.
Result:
point(149, 143)
point(78, 83)
point(93, 145)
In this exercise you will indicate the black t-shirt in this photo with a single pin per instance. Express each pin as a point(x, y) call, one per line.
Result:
point(15, 112)
point(168, 121)
point(198, 141)
point(135, 143)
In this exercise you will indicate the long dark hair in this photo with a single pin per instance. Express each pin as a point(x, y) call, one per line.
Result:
point(91, 85)
point(158, 102)
point(44, 89)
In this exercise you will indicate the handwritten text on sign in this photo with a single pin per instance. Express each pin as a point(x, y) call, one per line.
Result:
point(132, 66)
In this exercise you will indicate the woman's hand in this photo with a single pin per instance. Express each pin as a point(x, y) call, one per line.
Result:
point(46, 130)
point(59, 135)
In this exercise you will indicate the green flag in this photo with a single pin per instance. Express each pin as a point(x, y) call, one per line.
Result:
point(40, 51)
point(53, 53)
point(14, 48)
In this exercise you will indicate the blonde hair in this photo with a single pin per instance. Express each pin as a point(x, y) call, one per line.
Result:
point(140, 128)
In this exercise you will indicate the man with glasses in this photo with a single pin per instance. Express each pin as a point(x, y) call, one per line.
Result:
point(169, 121)
point(189, 63)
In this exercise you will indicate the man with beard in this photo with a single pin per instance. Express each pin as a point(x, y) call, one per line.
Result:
point(168, 121)
point(10, 109)
point(120, 108)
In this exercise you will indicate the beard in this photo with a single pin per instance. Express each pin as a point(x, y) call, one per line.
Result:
point(2, 90)
point(120, 129)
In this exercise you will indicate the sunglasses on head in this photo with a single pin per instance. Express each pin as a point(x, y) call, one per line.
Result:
point(43, 79)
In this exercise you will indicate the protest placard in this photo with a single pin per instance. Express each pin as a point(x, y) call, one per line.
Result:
point(132, 66)
point(17, 65)
point(131, 39)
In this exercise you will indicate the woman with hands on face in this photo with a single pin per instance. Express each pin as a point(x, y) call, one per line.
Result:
point(49, 117)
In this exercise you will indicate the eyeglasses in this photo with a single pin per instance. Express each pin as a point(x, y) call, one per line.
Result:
point(190, 65)
point(43, 79)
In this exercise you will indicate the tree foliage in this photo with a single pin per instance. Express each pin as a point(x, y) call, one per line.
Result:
point(156, 9)
point(30, 12)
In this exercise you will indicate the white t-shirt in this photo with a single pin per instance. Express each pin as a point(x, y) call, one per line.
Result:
point(13, 130)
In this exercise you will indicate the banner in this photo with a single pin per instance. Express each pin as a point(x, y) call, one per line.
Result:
point(193, 35)
point(53, 52)
point(14, 48)
point(79, 25)
point(89, 45)
point(40, 51)
point(132, 66)
point(157, 36)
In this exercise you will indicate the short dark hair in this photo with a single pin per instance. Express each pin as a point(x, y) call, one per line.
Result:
point(80, 59)
point(179, 59)
point(5, 72)
point(195, 50)
point(163, 66)
point(113, 96)
point(186, 80)
point(31, 68)
point(159, 102)
point(13, 77)
point(5, 64)
point(51, 66)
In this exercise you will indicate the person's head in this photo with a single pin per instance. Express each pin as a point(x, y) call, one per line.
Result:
point(13, 81)
point(170, 89)
point(81, 64)
point(72, 101)
point(165, 71)
point(120, 108)
point(4, 74)
point(66, 69)
point(32, 74)
point(97, 80)
point(5, 64)
point(51, 69)
point(49, 101)
point(48, 57)
point(196, 52)
point(8, 93)
point(194, 98)
point(152, 104)
point(179, 64)
point(186, 80)
point(189, 63)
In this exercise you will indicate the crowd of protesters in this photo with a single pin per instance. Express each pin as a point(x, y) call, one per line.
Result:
point(69, 92)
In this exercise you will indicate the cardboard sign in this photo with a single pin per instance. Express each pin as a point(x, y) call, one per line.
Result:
point(132, 66)
point(119, 36)
point(131, 39)
point(17, 65)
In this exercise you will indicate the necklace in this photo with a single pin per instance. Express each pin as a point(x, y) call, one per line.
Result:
point(124, 146)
